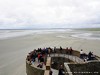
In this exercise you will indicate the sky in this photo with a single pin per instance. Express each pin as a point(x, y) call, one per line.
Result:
point(49, 14)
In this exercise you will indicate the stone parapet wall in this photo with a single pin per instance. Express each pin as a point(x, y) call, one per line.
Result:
point(53, 59)
point(33, 71)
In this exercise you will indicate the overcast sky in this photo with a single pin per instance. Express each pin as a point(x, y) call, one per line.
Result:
point(49, 13)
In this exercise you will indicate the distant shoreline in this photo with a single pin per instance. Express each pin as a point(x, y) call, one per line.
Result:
point(89, 29)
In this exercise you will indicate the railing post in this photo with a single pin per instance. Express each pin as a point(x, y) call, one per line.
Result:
point(48, 63)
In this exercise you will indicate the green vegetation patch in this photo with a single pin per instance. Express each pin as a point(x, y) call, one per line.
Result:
point(90, 29)
point(85, 69)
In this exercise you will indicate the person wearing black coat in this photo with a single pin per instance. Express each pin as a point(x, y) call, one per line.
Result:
point(61, 71)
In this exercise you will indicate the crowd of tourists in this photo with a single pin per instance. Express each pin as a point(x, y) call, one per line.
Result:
point(87, 57)
point(41, 54)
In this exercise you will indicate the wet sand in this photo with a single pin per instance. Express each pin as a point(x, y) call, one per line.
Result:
point(13, 51)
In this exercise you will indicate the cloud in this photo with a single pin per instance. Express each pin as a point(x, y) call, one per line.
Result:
point(49, 13)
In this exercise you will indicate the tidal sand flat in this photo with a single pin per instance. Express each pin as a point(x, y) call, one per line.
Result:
point(16, 44)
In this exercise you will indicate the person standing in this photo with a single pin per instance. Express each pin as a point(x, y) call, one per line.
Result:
point(50, 73)
point(61, 71)
point(71, 50)
point(90, 55)
point(67, 50)
point(54, 49)
point(81, 54)
point(49, 51)
point(60, 49)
